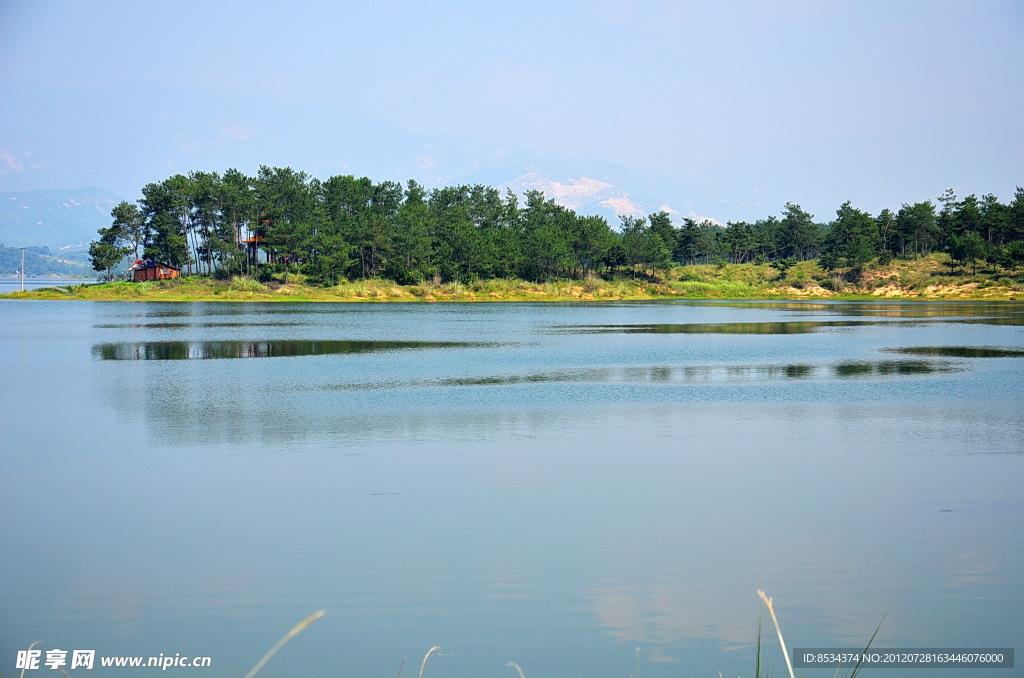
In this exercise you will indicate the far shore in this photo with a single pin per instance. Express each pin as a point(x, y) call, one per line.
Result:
point(927, 279)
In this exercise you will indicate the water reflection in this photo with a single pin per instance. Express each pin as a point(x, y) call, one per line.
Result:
point(255, 310)
point(668, 375)
point(214, 350)
point(205, 325)
point(862, 368)
point(1013, 320)
point(784, 327)
point(975, 311)
point(960, 351)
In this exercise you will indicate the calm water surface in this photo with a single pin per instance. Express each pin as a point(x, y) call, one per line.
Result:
point(585, 490)
point(8, 285)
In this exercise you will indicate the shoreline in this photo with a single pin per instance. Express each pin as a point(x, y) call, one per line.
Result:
point(566, 292)
point(924, 279)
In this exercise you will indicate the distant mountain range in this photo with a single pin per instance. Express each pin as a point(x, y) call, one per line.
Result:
point(63, 220)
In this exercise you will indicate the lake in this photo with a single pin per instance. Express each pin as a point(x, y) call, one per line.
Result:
point(581, 489)
point(8, 285)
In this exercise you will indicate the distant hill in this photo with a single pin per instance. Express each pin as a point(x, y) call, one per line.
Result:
point(65, 221)
point(40, 262)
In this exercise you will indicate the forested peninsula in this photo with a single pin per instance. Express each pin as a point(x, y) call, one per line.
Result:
point(284, 227)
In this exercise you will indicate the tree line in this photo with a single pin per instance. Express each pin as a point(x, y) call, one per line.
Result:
point(347, 227)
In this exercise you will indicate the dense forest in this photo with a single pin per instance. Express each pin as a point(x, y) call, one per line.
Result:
point(345, 227)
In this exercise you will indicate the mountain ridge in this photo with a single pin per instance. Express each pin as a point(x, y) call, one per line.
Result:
point(61, 219)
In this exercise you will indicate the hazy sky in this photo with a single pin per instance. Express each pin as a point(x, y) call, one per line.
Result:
point(728, 108)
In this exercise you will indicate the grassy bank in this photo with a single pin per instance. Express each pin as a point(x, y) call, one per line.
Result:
point(926, 278)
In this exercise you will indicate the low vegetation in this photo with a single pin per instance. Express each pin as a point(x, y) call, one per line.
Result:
point(926, 277)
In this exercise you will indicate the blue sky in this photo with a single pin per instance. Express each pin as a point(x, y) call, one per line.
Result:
point(728, 109)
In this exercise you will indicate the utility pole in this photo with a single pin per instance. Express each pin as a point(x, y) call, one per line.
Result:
point(22, 269)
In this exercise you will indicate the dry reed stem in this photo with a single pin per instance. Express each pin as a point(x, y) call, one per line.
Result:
point(516, 667)
point(288, 636)
point(771, 611)
point(29, 647)
point(426, 657)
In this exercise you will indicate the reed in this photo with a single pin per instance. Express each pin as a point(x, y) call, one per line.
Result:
point(427, 656)
point(757, 652)
point(856, 669)
point(29, 647)
point(455, 289)
point(239, 284)
point(771, 611)
point(288, 636)
point(785, 650)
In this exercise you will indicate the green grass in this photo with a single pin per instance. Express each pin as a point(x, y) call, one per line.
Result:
point(718, 289)
point(246, 285)
point(923, 278)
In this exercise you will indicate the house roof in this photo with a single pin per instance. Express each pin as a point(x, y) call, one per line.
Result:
point(140, 264)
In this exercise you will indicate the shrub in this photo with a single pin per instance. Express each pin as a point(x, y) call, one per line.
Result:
point(783, 265)
point(239, 284)
point(266, 272)
point(833, 283)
